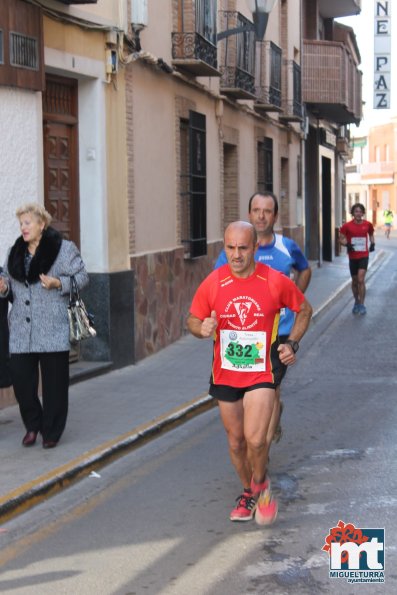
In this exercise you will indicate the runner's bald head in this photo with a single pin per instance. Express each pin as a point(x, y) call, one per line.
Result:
point(240, 246)
point(242, 226)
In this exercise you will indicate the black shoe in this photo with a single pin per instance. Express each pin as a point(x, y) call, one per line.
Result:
point(49, 443)
point(29, 439)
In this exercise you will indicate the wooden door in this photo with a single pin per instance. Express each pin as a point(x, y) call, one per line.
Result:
point(60, 132)
point(61, 188)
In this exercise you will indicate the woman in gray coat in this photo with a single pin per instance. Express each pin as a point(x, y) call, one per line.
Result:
point(37, 272)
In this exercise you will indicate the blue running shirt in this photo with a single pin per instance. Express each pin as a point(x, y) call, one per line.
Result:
point(283, 254)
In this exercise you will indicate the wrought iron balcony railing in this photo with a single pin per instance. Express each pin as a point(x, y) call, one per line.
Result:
point(194, 37)
point(237, 57)
point(192, 52)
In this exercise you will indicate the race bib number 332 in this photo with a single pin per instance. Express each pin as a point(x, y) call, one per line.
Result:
point(243, 351)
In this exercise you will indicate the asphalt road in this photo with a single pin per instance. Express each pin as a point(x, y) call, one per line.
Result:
point(156, 521)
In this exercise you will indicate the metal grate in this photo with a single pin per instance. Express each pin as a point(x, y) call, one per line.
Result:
point(193, 185)
point(265, 165)
point(58, 98)
point(24, 51)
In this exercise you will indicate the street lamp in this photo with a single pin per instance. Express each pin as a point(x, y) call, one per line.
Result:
point(260, 13)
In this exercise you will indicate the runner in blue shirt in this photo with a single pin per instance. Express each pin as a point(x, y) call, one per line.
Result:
point(282, 254)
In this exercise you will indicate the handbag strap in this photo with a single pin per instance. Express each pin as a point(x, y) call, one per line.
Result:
point(74, 290)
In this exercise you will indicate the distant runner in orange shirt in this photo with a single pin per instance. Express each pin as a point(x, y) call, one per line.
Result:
point(239, 306)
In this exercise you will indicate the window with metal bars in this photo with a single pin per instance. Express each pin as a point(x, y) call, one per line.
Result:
point(24, 51)
point(193, 185)
point(21, 45)
point(265, 165)
point(275, 74)
point(297, 90)
point(299, 175)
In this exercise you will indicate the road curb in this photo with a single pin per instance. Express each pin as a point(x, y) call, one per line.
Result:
point(32, 493)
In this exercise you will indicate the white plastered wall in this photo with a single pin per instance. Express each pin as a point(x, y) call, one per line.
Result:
point(21, 158)
point(93, 186)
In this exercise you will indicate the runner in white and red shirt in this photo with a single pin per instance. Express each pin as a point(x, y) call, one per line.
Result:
point(239, 306)
point(354, 235)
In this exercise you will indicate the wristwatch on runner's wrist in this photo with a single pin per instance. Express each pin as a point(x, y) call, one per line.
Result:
point(294, 344)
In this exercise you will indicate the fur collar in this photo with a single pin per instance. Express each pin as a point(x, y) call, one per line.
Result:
point(43, 259)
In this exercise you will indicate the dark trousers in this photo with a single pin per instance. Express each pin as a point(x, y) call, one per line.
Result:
point(48, 418)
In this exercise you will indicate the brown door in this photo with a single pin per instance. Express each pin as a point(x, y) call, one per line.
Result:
point(60, 133)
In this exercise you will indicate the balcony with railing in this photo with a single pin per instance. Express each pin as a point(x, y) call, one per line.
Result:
point(268, 77)
point(291, 92)
point(380, 171)
point(237, 57)
point(194, 47)
point(331, 81)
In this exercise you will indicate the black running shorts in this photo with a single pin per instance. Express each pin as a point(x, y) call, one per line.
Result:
point(223, 392)
point(231, 394)
point(357, 263)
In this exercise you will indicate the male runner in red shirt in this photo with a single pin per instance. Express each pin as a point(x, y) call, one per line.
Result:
point(354, 235)
point(239, 306)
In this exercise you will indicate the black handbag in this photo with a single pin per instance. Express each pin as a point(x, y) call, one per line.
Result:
point(81, 324)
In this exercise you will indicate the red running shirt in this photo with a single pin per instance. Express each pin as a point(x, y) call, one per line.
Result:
point(357, 235)
point(248, 312)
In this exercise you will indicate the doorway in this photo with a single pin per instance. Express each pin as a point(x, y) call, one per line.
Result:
point(327, 232)
point(60, 134)
point(61, 188)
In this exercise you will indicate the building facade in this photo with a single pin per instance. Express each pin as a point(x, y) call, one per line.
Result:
point(332, 85)
point(270, 114)
point(145, 132)
point(211, 119)
point(62, 121)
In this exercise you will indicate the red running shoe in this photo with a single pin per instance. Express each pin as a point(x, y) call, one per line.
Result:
point(266, 505)
point(244, 511)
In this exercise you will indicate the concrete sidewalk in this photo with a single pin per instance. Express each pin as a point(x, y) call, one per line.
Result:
point(112, 413)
